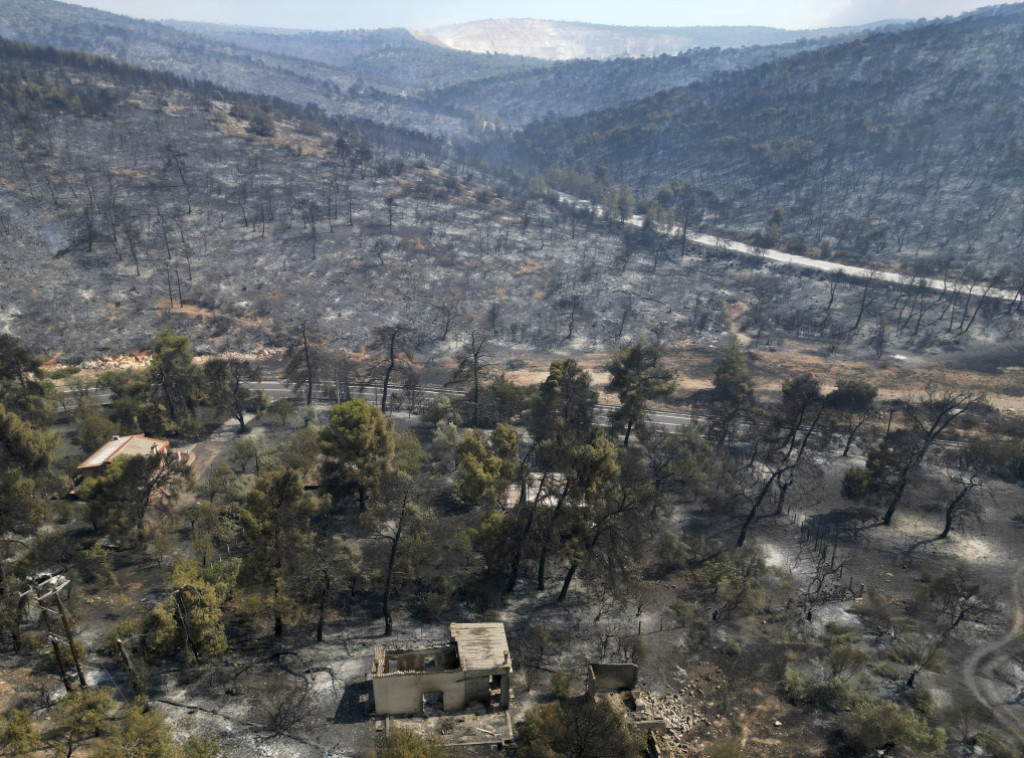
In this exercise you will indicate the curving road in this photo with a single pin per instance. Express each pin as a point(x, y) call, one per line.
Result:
point(789, 259)
point(727, 245)
point(988, 657)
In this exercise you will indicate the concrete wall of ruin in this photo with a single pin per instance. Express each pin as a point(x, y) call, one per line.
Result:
point(478, 689)
point(610, 677)
point(403, 693)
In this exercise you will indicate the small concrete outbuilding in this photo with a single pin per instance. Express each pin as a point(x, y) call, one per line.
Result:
point(610, 677)
point(616, 683)
point(475, 667)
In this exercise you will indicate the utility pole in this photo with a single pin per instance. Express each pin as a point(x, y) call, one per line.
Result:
point(53, 640)
point(45, 588)
point(70, 637)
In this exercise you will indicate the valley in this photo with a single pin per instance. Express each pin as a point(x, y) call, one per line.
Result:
point(699, 374)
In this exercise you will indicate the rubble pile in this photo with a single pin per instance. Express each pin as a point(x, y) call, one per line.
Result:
point(116, 363)
point(679, 714)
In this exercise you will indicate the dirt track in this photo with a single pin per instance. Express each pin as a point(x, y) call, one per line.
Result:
point(990, 658)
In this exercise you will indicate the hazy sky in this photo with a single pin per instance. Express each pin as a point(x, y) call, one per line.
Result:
point(423, 14)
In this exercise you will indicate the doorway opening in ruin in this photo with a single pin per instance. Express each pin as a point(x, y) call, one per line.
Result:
point(433, 703)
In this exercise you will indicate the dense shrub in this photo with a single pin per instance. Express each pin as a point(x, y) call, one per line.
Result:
point(872, 726)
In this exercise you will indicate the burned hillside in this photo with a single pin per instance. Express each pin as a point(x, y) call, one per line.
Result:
point(140, 206)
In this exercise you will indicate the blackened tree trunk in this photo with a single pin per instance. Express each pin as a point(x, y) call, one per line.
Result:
point(386, 607)
point(542, 561)
point(568, 580)
point(524, 536)
point(955, 504)
point(325, 593)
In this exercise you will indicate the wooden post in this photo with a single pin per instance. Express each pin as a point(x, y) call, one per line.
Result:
point(170, 292)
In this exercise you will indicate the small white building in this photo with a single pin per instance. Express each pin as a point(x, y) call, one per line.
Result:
point(530, 491)
point(132, 444)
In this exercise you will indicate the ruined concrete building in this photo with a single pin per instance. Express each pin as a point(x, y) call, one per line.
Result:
point(475, 667)
point(616, 683)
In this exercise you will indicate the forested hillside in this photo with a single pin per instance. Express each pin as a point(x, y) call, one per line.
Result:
point(575, 87)
point(150, 45)
point(510, 91)
point(146, 186)
point(139, 200)
point(144, 43)
point(899, 143)
point(393, 56)
point(387, 75)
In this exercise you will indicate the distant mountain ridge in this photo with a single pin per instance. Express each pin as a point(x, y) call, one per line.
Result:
point(392, 55)
point(146, 43)
point(337, 90)
point(386, 75)
point(572, 88)
point(564, 40)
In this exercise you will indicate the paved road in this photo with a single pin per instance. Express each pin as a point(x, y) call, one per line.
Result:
point(939, 285)
point(789, 259)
